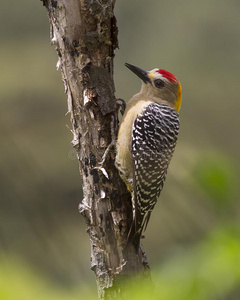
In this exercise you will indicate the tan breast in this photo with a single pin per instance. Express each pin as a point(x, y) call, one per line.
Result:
point(124, 155)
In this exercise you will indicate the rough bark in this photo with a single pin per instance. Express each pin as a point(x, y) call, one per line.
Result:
point(85, 35)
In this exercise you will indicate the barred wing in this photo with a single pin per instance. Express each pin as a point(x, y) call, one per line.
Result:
point(154, 138)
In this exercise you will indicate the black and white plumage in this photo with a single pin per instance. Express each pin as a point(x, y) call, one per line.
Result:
point(146, 141)
point(154, 137)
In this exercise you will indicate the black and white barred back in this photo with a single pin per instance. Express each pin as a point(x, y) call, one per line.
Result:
point(154, 137)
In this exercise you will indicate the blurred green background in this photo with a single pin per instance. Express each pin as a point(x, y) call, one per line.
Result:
point(192, 241)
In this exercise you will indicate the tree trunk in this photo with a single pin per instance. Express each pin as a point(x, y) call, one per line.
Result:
point(85, 35)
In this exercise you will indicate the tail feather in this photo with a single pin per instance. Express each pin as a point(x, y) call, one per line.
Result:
point(139, 224)
point(134, 237)
point(140, 219)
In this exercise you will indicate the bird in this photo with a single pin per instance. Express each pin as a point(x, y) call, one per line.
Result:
point(146, 140)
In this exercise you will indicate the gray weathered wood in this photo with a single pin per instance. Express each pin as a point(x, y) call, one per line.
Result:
point(85, 35)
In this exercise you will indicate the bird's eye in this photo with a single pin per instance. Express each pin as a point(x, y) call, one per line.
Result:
point(159, 83)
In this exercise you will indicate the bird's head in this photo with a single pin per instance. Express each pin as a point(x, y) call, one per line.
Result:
point(159, 83)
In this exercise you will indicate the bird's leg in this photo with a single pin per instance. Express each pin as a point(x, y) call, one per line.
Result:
point(121, 104)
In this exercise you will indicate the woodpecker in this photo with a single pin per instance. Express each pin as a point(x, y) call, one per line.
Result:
point(146, 141)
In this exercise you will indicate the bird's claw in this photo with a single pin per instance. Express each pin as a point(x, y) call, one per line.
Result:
point(121, 104)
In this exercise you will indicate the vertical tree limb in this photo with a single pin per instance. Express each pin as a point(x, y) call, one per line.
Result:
point(85, 35)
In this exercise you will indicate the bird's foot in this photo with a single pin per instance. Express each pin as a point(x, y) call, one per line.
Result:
point(121, 104)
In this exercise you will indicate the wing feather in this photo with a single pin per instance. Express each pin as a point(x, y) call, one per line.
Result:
point(154, 137)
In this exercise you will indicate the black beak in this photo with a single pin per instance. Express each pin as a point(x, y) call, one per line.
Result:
point(139, 72)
